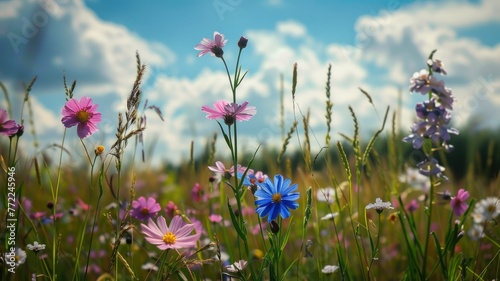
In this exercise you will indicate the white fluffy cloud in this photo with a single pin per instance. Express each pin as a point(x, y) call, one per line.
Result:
point(398, 41)
point(50, 38)
point(390, 47)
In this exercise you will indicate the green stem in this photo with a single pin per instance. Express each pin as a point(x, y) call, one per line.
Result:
point(233, 89)
point(375, 250)
point(95, 215)
point(428, 228)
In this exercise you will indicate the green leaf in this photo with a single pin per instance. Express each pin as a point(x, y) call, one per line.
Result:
point(285, 239)
point(226, 138)
point(441, 256)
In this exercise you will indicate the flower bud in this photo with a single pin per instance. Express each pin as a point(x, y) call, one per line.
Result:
point(20, 130)
point(99, 149)
point(242, 43)
point(275, 228)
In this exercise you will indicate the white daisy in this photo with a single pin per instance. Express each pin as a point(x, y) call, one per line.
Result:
point(18, 259)
point(486, 210)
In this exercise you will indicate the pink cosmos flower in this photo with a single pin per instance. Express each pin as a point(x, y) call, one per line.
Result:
point(177, 236)
point(82, 113)
point(7, 127)
point(213, 46)
point(230, 112)
point(457, 203)
point(144, 209)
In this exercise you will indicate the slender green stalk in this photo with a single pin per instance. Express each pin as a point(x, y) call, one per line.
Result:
point(54, 199)
point(428, 228)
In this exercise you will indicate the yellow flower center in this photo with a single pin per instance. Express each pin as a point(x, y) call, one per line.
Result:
point(169, 238)
point(145, 211)
point(82, 116)
point(276, 197)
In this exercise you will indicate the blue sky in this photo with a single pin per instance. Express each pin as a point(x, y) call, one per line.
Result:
point(376, 45)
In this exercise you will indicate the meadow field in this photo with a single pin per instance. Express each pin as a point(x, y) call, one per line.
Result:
point(421, 204)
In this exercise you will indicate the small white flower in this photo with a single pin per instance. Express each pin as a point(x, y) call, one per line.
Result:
point(18, 259)
point(326, 194)
point(36, 247)
point(329, 269)
point(330, 216)
point(379, 205)
point(486, 210)
point(149, 266)
point(237, 266)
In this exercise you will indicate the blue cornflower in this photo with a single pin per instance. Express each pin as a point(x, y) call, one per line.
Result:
point(276, 198)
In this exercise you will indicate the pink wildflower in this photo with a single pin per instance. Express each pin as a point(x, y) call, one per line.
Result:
point(215, 218)
point(144, 209)
point(82, 113)
point(7, 127)
point(457, 203)
point(177, 236)
point(230, 112)
point(213, 46)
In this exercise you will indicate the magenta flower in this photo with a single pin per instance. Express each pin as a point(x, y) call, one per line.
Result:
point(177, 236)
point(457, 203)
point(230, 112)
point(82, 113)
point(144, 209)
point(213, 46)
point(7, 127)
